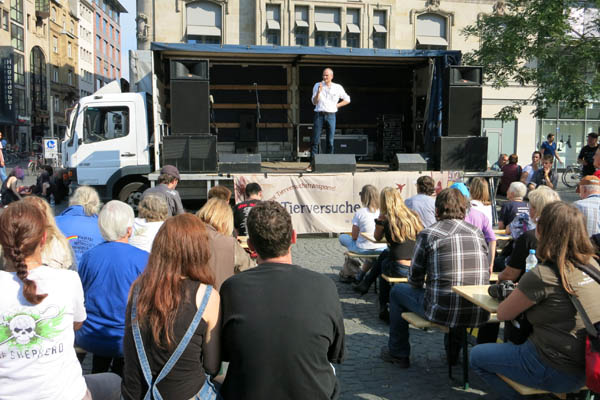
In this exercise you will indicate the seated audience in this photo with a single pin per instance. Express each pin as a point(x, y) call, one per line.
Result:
point(545, 176)
point(42, 306)
point(531, 169)
point(423, 203)
point(515, 205)
point(43, 184)
point(450, 252)
point(479, 191)
point(241, 210)
point(175, 310)
point(221, 192)
point(282, 324)
point(553, 357)
point(511, 172)
point(227, 257)
point(152, 212)
point(589, 205)
point(56, 251)
point(167, 182)
point(79, 222)
point(9, 191)
point(497, 166)
point(107, 272)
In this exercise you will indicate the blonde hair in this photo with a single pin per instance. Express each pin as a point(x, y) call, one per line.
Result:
point(56, 252)
point(87, 197)
point(217, 213)
point(404, 223)
point(480, 190)
point(369, 197)
point(153, 208)
point(540, 198)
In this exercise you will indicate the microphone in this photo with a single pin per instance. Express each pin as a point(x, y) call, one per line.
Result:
point(254, 83)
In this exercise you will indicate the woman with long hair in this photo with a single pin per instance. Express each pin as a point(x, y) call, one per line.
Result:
point(9, 190)
point(40, 307)
point(480, 197)
point(553, 357)
point(173, 315)
point(400, 226)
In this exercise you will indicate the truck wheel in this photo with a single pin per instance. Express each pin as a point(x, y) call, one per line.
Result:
point(132, 194)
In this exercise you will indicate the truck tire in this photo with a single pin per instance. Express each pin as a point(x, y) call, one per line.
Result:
point(132, 194)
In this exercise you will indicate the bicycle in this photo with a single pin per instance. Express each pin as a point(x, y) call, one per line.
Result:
point(35, 163)
point(572, 175)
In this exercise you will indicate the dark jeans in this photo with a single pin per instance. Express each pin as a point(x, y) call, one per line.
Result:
point(321, 119)
point(107, 364)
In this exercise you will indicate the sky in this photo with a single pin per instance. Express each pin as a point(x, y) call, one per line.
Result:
point(128, 33)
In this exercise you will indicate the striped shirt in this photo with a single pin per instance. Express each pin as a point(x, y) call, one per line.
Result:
point(590, 207)
point(450, 253)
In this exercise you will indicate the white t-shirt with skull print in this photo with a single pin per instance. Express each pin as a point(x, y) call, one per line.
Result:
point(37, 357)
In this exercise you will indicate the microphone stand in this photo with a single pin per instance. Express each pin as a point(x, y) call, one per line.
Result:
point(258, 122)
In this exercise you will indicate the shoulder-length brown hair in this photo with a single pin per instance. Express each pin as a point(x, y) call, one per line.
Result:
point(180, 251)
point(563, 239)
point(480, 190)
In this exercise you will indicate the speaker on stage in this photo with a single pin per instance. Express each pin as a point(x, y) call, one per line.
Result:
point(190, 153)
point(408, 162)
point(334, 163)
point(196, 70)
point(461, 153)
point(229, 162)
point(190, 107)
point(462, 101)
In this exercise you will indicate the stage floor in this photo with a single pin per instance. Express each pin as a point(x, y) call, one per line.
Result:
point(290, 167)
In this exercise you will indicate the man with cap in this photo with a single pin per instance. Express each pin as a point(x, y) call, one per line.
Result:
point(167, 182)
point(586, 155)
point(589, 205)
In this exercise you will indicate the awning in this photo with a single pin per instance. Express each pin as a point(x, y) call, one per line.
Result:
point(327, 27)
point(301, 24)
point(379, 28)
point(431, 41)
point(353, 28)
point(202, 30)
point(273, 25)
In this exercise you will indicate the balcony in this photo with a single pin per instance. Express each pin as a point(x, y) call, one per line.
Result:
point(42, 9)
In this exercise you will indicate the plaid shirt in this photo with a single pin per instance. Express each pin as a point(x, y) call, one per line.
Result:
point(590, 207)
point(450, 253)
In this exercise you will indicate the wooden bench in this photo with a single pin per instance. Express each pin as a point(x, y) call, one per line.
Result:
point(392, 280)
point(529, 391)
point(421, 323)
point(352, 254)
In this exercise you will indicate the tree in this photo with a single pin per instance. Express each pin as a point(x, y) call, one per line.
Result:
point(553, 45)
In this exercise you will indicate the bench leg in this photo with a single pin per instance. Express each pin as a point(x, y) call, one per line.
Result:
point(465, 351)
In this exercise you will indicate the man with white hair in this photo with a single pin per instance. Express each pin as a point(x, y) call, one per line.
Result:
point(107, 272)
point(589, 205)
point(515, 206)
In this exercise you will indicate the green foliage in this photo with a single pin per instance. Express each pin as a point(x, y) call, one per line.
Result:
point(537, 43)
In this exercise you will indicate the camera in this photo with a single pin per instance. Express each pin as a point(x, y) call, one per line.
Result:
point(501, 290)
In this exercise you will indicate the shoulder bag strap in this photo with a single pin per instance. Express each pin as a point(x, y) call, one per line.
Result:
point(139, 344)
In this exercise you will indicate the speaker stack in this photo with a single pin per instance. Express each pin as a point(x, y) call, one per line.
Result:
point(460, 147)
point(191, 147)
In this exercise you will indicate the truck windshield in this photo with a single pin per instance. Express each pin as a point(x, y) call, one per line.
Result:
point(105, 123)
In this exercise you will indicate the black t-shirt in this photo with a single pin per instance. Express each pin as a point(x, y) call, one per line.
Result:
point(587, 153)
point(282, 326)
point(509, 211)
point(398, 251)
point(523, 244)
point(240, 215)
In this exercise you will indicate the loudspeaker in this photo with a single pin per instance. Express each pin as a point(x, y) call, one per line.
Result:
point(195, 70)
point(247, 128)
point(462, 111)
point(347, 144)
point(461, 153)
point(189, 107)
point(333, 163)
point(408, 162)
point(464, 75)
point(190, 153)
point(229, 162)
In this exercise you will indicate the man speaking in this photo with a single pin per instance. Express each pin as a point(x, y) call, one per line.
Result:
point(326, 97)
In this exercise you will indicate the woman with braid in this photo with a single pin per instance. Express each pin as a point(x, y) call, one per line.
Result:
point(40, 307)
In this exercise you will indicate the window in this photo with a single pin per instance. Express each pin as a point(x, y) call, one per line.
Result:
point(72, 27)
point(353, 28)
point(112, 52)
point(20, 101)
point(105, 123)
point(37, 78)
point(118, 56)
point(117, 38)
point(98, 44)
point(69, 50)
point(98, 26)
point(106, 50)
point(16, 11)
point(19, 69)
point(203, 22)
point(56, 104)
point(273, 26)
point(54, 74)
point(98, 64)
point(70, 77)
point(431, 31)
point(301, 25)
point(16, 37)
point(105, 30)
point(111, 36)
point(55, 44)
point(5, 20)
point(379, 29)
point(327, 27)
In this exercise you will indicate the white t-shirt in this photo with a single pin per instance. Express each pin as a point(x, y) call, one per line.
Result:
point(365, 220)
point(144, 233)
point(329, 97)
point(530, 172)
point(37, 354)
point(486, 210)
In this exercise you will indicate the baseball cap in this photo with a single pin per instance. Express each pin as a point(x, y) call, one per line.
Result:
point(462, 188)
point(170, 170)
point(587, 181)
point(593, 134)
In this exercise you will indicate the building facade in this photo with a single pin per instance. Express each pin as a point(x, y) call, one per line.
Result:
point(107, 41)
point(86, 47)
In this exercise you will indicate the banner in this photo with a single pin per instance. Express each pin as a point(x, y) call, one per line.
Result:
point(326, 203)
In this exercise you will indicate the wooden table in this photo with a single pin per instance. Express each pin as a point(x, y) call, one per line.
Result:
point(371, 238)
point(478, 295)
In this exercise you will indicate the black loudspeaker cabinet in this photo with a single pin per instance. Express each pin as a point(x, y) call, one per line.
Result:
point(464, 75)
point(347, 144)
point(408, 162)
point(229, 162)
point(190, 107)
point(462, 111)
point(461, 154)
point(195, 70)
point(247, 128)
point(334, 163)
point(190, 153)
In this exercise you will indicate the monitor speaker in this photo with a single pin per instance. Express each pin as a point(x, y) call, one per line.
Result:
point(462, 111)
point(195, 70)
point(334, 163)
point(461, 153)
point(229, 162)
point(190, 153)
point(190, 107)
point(408, 162)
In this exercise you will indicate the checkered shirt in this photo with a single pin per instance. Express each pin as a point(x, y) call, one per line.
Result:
point(590, 207)
point(450, 253)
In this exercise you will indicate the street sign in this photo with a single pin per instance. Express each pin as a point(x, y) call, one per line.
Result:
point(51, 148)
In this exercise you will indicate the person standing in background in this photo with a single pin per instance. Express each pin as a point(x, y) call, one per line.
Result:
point(549, 147)
point(241, 210)
point(586, 155)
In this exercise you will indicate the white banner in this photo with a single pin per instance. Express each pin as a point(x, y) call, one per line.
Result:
point(326, 203)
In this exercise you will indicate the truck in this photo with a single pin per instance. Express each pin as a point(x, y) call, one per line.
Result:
point(258, 101)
